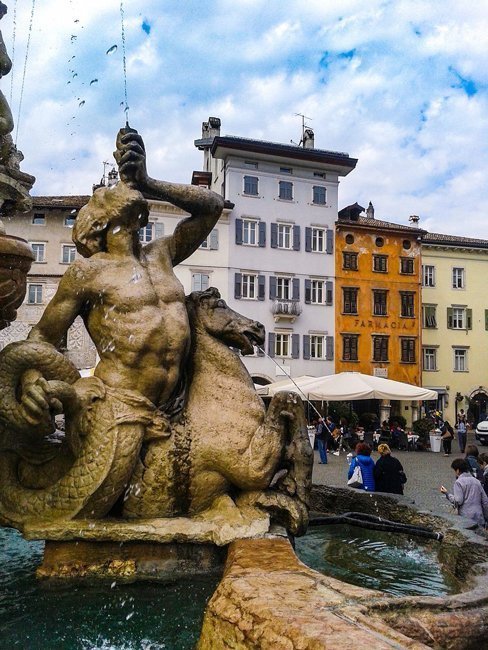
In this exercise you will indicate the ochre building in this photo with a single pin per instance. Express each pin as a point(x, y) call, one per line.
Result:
point(378, 304)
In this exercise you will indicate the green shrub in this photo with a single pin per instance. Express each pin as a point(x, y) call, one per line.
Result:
point(339, 410)
point(368, 420)
point(398, 419)
point(422, 428)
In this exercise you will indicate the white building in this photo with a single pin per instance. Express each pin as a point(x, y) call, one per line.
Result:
point(276, 246)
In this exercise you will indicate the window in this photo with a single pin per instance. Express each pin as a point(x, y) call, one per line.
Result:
point(319, 195)
point(459, 318)
point(200, 281)
point(34, 294)
point(429, 359)
point(380, 348)
point(318, 240)
point(407, 304)
point(407, 265)
point(319, 174)
point(408, 350)
point(249, 286)
point(429, 320)
point(68, 253)
point(317, 346)
point(249, 232)
point(350, 261)
point(380, 242)
point(317, 292)
point(350, 300)
point(380, 263)
point(69, 220)
point(428, 275)
point(212, 241)
point(283, 345)
point(457, 278)
point(350, 347)
point(251, 164)
point(349, 239)
point(285, 236)
point(39, 219)
point(251, 185)
point(460, 360)
point(286, 190)
point(407, 244)
point(380, 302)
point(283, 289)
point(286, 170)
point(39, 251)
point(146, 234)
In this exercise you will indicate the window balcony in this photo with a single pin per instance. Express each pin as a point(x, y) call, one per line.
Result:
point(287, 310)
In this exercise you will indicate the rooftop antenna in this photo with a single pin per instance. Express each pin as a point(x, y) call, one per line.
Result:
point(304, 126)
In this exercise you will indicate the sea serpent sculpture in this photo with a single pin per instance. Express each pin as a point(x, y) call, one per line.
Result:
point(48, 475)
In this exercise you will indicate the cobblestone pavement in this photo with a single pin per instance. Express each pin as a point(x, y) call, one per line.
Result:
point(426, 471)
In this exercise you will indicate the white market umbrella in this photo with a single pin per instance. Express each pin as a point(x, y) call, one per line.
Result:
point(349, 386)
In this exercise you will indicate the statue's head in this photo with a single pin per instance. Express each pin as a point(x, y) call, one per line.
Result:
point(113, 207)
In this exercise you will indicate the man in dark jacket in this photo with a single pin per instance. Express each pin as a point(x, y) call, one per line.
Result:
point(388, 472)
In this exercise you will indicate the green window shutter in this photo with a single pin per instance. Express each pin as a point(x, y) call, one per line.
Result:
point(486, 319)
point(469, 319)
point(449, 318)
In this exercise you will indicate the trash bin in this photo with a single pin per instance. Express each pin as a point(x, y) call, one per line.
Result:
point(435, 442)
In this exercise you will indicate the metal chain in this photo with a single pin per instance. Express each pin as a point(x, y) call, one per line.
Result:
point(25, 69)
point(126, 102)
point(14, 34)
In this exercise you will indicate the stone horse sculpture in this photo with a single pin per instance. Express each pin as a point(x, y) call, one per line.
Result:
point(225, 441)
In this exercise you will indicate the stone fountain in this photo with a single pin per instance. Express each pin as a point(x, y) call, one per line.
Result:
point(16, 255)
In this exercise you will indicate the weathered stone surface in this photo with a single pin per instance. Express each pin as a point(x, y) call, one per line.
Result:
point(221, 525)
point(269, 600)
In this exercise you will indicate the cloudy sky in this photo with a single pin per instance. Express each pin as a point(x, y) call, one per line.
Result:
point(402, 85)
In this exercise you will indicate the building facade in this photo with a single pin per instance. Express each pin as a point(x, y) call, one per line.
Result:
point(377, 310)
point(280, 268)
point(455, 323)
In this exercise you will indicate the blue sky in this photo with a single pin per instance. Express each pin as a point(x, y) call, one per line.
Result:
point(402, 85)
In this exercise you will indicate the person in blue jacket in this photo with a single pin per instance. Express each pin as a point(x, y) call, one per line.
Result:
point(366, 463)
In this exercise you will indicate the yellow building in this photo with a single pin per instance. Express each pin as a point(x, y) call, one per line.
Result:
point(455, 323)
point(378, 267)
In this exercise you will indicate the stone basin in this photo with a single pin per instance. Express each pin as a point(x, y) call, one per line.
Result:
point(16, 258)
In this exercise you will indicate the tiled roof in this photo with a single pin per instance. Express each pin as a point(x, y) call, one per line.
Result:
point(75, 201)
point(453, 240)
point(378, 225)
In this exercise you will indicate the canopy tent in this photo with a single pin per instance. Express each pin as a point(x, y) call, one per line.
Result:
point(349, 386)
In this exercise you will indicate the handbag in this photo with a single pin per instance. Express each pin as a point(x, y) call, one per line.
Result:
point(356, 480)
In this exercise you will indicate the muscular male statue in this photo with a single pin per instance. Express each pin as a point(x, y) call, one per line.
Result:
point(128, 295)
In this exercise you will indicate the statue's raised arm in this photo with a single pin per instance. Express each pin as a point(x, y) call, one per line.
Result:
point(204, 206)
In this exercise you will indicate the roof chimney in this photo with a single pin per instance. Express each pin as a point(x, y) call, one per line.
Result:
point(414, 219)
point(370, 211)
point(211, 129)
point(308, 139)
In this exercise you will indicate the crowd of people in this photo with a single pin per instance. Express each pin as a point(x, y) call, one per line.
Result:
point(470, 491)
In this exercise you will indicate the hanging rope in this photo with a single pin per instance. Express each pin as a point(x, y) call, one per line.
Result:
point(14, 34)
point(126, 102)
point(25, 69)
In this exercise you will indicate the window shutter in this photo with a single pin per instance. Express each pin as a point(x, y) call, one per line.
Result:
point(469, 319)
point(214, 240)
point(295, 346)
point(274, 235)
point(329, 234)
point(237, 285)
point(296, 289)
point(238, 231)
point(306, 346)
point(262, 234)
point(486, 319)
point(261, 287)
point(329, 295)
point(271, 344)
point(449, 318)
point(329, 348)
point(308, 240)
point(308, 292)
point(158, 230)
point(260, 350)
point(272, 287)
point(296, 238)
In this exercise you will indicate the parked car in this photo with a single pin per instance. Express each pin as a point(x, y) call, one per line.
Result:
point(481, 433)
